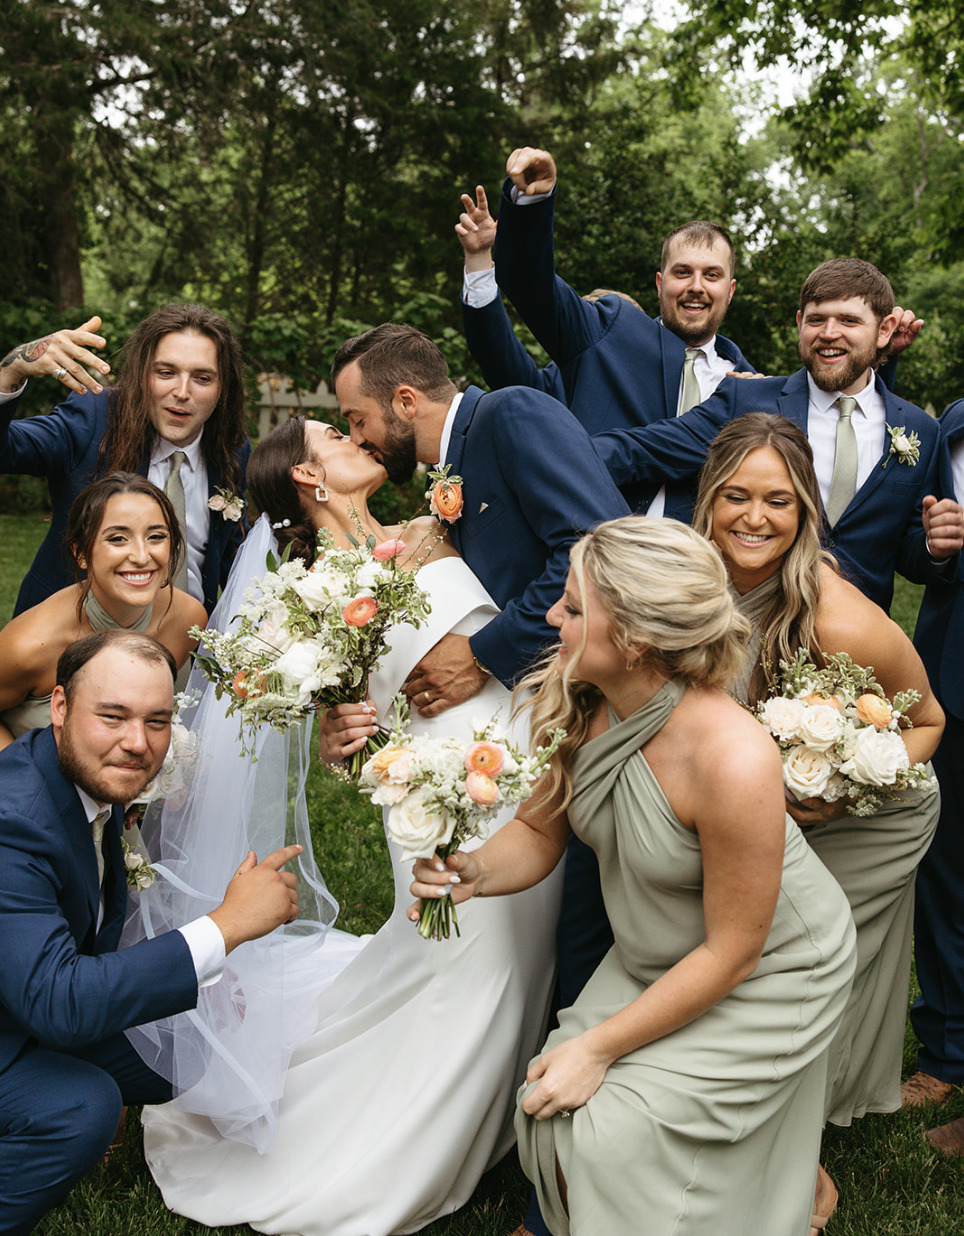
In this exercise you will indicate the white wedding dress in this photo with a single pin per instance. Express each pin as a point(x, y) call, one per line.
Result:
point(403, 1093)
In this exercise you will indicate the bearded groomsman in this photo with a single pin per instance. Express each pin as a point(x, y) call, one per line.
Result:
point(875, 455)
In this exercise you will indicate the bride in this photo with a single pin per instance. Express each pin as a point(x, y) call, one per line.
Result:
point(335, 1085)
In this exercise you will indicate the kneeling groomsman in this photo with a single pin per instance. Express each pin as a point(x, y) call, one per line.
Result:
point(66, 992)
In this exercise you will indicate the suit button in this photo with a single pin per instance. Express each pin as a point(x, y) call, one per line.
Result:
point(831, 543)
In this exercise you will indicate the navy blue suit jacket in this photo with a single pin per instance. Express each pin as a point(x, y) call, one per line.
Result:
point(63, 447)
point(63, 984)
point(619, 367)
point(878, 533)
point(532, 486)
point(939, 636)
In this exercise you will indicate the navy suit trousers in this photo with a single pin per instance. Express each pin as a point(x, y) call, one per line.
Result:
point(58, 1113)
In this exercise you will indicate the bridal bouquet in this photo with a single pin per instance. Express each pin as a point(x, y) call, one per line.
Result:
point(309, 637)
point(839, 735)
point(441, 791)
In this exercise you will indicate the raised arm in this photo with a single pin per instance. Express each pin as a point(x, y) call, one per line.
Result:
point(559, 318)
point(65, 355)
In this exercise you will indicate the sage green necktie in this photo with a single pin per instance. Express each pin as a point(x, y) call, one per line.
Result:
point(97, 831)
point(175, 491)
point(691, 388)
point(843, 483)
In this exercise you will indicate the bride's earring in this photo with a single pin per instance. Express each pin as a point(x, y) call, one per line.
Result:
point(321, 492)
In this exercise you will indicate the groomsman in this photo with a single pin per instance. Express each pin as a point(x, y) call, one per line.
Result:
point(532, 486)
point(875, 454)
point(176, 416)
point(938, 1013)
point(66, 993)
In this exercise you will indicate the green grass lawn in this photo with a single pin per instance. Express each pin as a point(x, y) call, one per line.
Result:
point(891, 1182)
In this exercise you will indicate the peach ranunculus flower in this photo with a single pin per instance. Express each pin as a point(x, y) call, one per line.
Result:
point(446, 501)
point(873, 710)
point(832, 701)
point(360, 611)
point(481, 789)
point(485, 757)
point(393, 767)
point(388, 550)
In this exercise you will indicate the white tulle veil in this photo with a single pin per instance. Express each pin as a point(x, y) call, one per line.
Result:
point(227, 1058)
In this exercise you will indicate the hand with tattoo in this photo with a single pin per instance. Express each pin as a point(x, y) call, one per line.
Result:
point(64, 354)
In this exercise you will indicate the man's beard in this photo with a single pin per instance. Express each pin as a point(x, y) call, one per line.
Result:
point(77, 770)
point(398, 454)
point(692, 335)
point(846, 375)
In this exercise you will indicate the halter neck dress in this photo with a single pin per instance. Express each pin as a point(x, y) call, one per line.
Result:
point(874, 859)
point(714, 1129)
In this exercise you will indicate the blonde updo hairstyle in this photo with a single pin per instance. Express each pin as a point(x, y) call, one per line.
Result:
point(664, 590)
point(789, 621)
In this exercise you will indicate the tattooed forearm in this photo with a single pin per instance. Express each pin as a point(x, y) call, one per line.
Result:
point(28, 352)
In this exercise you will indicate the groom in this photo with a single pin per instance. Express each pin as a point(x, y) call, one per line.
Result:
point(66, 993)
point(532, 485)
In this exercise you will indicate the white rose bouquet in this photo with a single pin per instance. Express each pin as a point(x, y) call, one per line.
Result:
point(839, 735)
point(309, 637)
point(442, 791)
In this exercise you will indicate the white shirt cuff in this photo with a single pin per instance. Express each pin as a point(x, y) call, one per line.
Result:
point(6, 396)
point(206, 943)
point(479, 288)
point(521, 198)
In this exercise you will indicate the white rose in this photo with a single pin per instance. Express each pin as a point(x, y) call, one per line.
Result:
point(217, 503)
point(271, 629)
point(879, 755)
point(233, 511)
point(782, 717)
point(369, 574)
point(314, 590)
point(300, 667)
point(820, 726)
point(806, 773)
point(902, 444)
point(416, 829)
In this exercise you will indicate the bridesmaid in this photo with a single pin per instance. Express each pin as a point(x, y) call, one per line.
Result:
point(683, 1091)
point(124, 536)
point(759, 503)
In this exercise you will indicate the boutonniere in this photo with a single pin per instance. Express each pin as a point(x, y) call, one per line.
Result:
point(140, 874)
point(906, 446)
point(230, 505)
point(445, 496)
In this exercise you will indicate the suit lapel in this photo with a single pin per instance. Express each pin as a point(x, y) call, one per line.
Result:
point(75, 823)
point(673, 351)
point(456, 452)
point(793, 402)
point(878, 473)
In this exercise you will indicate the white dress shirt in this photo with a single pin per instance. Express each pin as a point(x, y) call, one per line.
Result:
point(869, 420)
point(194, 477)
point(203, 936)
point(447, 428)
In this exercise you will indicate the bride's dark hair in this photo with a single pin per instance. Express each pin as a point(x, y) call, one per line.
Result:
point(274, 492)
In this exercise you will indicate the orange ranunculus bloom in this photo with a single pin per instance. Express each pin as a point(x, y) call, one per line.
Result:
point(481, 789)
point(485, 757)
point(446, 501)
point(243, 689)
point(360, 611)
point(873, 710)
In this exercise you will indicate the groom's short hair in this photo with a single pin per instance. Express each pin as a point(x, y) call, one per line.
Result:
point(76, 655)
point(394, 355)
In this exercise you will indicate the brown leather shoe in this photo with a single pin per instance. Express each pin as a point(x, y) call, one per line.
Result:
point(922, 1088)
point(948, 1137)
